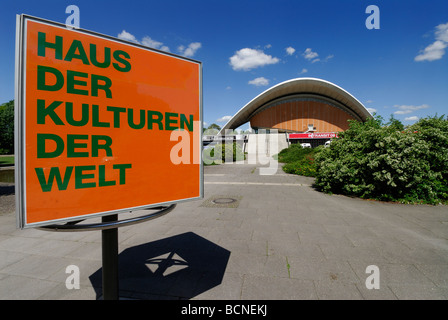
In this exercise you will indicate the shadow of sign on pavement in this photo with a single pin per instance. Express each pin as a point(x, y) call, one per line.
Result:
point(178, 267)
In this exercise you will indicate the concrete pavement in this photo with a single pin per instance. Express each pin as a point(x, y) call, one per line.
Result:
point(278, 239)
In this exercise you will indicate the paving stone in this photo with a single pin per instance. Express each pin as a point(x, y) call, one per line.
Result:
point(330, 290)
point(322, 270)
point(382, 293)
point(438, 273)
point(392, 274)
point(342, 252)
point(24, 288)
point(257, 287)
point(37, 267)
point(414, 292)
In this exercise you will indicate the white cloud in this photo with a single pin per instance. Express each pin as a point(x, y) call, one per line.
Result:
point(247, 59)
point(405, 109)
point(290, 51)
point(442, 32)
point(190, 50)
point(124, 35)
point(369, 101)
point(261, 81)
point(329, 57)
point(312, 56)
point(303, 71)
point(146, 41)
point(413, 118)
point(371, 110)
point(224, 119)
point(435, 50)
point(309, 54)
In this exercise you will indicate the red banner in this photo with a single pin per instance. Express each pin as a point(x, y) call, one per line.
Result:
point(313, 135)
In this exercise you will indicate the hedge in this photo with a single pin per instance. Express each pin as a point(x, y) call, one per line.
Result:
point(388, 162)
point(299, 160)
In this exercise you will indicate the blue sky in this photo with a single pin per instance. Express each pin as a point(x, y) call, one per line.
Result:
point(248, 46)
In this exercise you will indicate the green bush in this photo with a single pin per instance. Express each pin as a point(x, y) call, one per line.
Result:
point(304, 167)
point(299, 160)
point(377, 161)
point(293, 153)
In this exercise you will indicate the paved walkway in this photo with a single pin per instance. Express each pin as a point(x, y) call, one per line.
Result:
point(281, 239)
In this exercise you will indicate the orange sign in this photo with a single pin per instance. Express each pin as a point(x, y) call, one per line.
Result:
point(96, 117)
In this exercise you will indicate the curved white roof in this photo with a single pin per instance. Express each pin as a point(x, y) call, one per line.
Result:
point(299, 86)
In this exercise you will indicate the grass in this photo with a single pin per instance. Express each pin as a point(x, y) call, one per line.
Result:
point(6, 160)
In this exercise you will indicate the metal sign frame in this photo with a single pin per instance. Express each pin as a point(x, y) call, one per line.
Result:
point(21, 124)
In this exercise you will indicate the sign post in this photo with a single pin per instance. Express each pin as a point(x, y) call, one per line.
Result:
point(109, 239)
point(95, 118)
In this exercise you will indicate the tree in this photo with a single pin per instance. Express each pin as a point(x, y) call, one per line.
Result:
point(214, 126)
point(395, 123)
point(7, 128)
point(212, 129)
